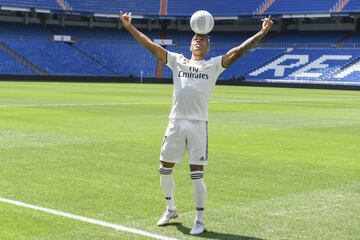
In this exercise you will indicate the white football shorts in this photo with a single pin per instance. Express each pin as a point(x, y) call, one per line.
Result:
point(185, 135)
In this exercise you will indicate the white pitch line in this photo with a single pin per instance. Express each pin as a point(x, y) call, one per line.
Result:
point(88, 220)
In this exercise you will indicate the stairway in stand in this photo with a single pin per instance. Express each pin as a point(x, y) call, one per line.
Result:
point(264, 7)
point(340, 5)
point(23, 60)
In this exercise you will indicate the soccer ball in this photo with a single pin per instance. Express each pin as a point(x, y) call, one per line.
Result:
point(202, 22)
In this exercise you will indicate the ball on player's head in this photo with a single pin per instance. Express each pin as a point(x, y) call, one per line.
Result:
point(202, 22)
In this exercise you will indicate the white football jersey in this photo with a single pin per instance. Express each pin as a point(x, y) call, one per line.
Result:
point(193, 83)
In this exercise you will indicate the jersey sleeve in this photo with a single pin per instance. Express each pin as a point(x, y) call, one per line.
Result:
point(218, 65)
point(172, 59)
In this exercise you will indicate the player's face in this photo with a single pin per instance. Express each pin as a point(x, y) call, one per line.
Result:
point(199, 45)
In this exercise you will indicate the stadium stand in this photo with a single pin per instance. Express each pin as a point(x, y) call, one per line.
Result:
point(99, 34)
point(111, 52)
point(187, 7)
point(250, 61)
point(24, 31)
point(41, 4)
point(311, 66)
point(303, 6)
point(108, 51)
point(221, 42)
point(10, 66)
point(352, 6)
point(306, 38)
point(149, 7)
point(56, 58)
point(93, 34)
point(140, 7)
point(354, 40)
point(123, 59)
point(218, 8)
point(350, 74)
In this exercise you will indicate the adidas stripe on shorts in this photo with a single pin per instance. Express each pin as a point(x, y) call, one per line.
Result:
point(185, 135)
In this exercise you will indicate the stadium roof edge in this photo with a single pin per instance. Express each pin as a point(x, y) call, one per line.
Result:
point(226, 17)
point(310, 15)
point(42, 10)
point(108, 15)
point(19, 9)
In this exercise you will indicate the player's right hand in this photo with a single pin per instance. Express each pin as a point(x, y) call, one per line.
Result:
point(125, 19)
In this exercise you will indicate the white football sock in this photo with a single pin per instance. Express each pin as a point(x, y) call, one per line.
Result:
point(168, 184)
point(199, 194)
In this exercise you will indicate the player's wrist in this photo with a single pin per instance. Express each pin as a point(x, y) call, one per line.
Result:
point(264, 31)
point(128, 26)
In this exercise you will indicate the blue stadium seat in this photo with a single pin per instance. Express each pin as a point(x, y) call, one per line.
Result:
point(41, 4)
point(97, 34)
point(289, 68)
point(113, 52)
point(250, 61)
point(352, 6)
point(352, 78)
point(354, 40)
point(302, 6)
point(10, 66)
point(305, 38)
point(187, 7)
point(123, 58)
point(56, 58)
point(148, 7)
point(217, 8)
point(24, 31)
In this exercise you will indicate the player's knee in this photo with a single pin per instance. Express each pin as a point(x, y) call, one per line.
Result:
point(166, 164)
point(196, 168)
point(166, 168)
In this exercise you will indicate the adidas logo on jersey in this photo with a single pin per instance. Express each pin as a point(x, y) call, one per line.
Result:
point(185, 61)
point(202, 159)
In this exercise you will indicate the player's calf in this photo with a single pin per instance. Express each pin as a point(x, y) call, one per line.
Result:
point(197, 178)
point(167, 184)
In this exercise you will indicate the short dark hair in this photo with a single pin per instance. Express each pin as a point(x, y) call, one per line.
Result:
point(202, 35)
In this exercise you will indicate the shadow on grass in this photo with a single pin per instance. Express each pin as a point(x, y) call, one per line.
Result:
point(212, 235)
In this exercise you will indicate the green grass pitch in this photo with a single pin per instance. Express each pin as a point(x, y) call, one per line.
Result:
point(283, 163)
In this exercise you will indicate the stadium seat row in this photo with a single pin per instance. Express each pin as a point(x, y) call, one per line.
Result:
point(110, 35)
point(187, 7)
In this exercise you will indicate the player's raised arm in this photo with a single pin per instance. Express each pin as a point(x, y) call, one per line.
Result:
point(154, 48)
point(235, 53)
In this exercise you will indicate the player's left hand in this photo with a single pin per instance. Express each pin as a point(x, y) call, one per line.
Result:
point(125, 19)
point(267, 24)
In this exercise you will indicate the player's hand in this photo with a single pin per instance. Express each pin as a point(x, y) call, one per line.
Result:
point(267, 24)
point(125, 19)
